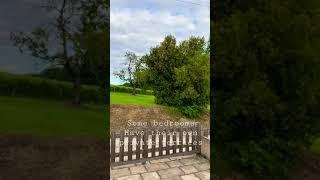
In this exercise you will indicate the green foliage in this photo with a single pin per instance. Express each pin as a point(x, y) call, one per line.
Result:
point(18, 85)
point(125, 89)
point(193, 81)
point(142, 75)
point(315, 148)
point(266, 84)
point(191, 111)
point(179, 73)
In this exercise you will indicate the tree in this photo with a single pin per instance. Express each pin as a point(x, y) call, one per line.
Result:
point(142, 75)
point(70, 40)
point(179, 73)
point(266, 81)
point(128, 74)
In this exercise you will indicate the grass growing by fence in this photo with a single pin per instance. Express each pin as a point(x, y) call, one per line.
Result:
point(126, 98)
point(48, 117)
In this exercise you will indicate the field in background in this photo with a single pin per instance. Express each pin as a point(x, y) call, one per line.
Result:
point(49, 117)
point(126, 98)
point(125, 89)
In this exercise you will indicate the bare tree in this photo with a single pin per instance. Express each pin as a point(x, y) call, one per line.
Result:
point(69, 40)
point(128, 74)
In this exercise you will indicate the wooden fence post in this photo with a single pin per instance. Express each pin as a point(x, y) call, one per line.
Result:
point(161, 143)
point(138, 146)
point(129, 147)
point(153, 144)
point(113, 147)
point(174, 140)
point(199, 135)
point(180, 140)
point(121, 154)
point(167, 141)
point(145, 145)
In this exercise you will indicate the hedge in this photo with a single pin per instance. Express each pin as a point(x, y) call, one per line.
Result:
point(124, 89)
point(23, 85)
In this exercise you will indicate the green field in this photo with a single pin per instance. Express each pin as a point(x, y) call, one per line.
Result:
point(126, 98)
point(48, 117)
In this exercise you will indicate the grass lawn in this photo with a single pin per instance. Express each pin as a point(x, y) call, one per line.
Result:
point(126, 98)
point(315, 148)
point(48, 117)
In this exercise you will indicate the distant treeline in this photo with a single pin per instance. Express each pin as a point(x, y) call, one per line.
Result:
point(88, 76)
point(29, 86)
point(126, 89)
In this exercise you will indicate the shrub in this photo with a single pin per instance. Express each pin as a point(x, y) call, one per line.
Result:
point(191, 111)
point(180, 74)
point(18, 85)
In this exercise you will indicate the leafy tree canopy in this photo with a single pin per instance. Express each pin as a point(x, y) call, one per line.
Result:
point(180, 73)
point(266, 84)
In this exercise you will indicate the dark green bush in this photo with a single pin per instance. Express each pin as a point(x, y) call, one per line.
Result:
point(18, 85)
point(179, 74)
point(191, 111)
point(266, 86)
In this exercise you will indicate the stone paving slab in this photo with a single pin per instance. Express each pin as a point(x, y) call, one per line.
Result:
point(138, 169)
point(202, 166)
point(189, 161)
point(189, 167)
point(156, 167)
point(189, 177)
point(172, 178)
point(132, 177)
point(174, 163)
point(171, 172)
point(204, 175)
point(123, 166)
point(201, 159)
point(120, 172)
point(150, 176)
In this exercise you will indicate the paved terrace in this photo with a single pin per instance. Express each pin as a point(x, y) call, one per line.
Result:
point(190, 167)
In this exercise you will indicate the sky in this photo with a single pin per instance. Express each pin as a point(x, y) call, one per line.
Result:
point(19, 15)
point(138, 25)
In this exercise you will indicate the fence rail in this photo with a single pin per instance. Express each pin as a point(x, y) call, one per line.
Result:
point(140, 144)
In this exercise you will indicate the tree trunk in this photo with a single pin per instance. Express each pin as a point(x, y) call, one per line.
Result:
point(76, 90)
point(133, 88)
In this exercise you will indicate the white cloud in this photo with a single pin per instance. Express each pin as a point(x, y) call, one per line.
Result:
point(139, 25)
